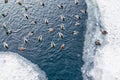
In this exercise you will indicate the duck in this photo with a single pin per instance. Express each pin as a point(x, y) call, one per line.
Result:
point(30, 33)
point(34, 22)
point(62, 46)
point(5, 1)
point(104, 32)
point(18, 2)
point(83, 11)
point(62, 17)
point(25, 40)
point(40, 38)
point(77, 17)
point(4, 25)
point(76, 2)
point(60, 6)
point(51, 29)
point(21, 48)
point(5, 14)
point(77, 24)
point(5, 45)
point(26, 15)
point(62, 27)
point(46, 21)
point(75, 32)
point(97, 43)
point(52, 44)
point(60, 35)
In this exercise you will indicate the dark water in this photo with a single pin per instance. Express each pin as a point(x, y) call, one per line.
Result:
point(58, 64)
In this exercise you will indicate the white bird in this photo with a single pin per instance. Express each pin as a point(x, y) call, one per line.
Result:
point(83, 11)
point(25, 15)
point(5, 45)
point(51, 29)
point(42, 4)
point(62, 27)
point(34, 22)
point(52, 44)
point(77, 17)
point(60, 6)
point(18, 2)
point(46, 21)
point(6, 1)
point(62, 46)
point(25, 40)
point(62, 17)
point(5, 14)
point(4, 25)
point(75, 32)
point(76, 2)
point(60, 35)
point(77, 24)
point(40, 38)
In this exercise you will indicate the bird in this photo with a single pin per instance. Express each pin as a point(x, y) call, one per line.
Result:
point(34, 22)
point(77, 24)
point(76, 2)
point(18, 2)
point(62, 27)
point(25, 40)
point(21, 48)
point(8, 32)
point(4, 25)
point(52, 44)
point(30, 33)
point(25, 15)
point(5, 14)
point(5, 1)
point(62, 46)
point(97, 43)
point(46, 21)
point(60, 35)
point(40, 38)
point(83, 11)
point(5, 45)
point(62, 17)
point(60, 6)
point(42, 4)
point(77, 17)
point(104, 32)
point(51, 29)
point(75, 32)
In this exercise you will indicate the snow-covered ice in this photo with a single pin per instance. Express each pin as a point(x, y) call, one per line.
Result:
point(107, 64)
point(15, 67)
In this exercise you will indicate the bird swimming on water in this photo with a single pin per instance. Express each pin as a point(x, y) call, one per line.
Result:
point(46, 21)
point(62, 17)
point(5, 45)
point(76, 2)
point(62, 27)
point(40, 38)
point(62, 46)
point(21, 48)
point(52, 44)
point(51, 29)
point(60, 35)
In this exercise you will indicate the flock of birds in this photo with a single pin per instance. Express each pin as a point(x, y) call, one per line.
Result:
point(46, 21)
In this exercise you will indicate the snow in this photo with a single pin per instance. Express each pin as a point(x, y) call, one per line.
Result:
point(15, 67)
point(107, 64)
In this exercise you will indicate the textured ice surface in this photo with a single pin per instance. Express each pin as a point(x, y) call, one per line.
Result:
point(15, 67)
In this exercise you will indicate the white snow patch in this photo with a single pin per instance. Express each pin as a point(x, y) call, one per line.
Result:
point(15, 67)
point(109, 60)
